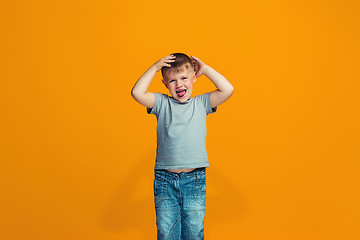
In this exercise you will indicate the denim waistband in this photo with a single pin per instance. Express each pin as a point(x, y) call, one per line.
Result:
point(193, 173)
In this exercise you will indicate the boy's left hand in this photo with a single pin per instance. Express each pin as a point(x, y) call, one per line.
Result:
point(199, 66)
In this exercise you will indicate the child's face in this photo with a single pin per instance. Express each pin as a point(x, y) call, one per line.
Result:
point(180, 83)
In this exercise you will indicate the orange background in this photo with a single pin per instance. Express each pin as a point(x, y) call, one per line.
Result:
point(77, 152)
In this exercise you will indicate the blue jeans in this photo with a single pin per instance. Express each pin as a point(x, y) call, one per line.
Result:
point(180, 204)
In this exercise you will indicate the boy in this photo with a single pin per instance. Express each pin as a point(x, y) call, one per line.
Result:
point(181, 158)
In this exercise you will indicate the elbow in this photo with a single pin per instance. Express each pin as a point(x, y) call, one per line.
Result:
point(134, 94)
point(230, 91)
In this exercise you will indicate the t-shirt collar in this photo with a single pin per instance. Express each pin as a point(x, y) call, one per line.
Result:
point(187, 101)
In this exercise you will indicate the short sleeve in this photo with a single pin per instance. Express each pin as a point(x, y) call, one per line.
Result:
point(205, 99)
point(159, 99)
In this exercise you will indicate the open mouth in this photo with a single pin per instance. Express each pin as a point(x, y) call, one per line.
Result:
point(181, 93)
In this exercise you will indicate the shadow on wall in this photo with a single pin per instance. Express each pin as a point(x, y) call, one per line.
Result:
point(132, 206)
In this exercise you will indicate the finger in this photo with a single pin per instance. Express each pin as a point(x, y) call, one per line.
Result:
point(169, 57)
point(195, 62)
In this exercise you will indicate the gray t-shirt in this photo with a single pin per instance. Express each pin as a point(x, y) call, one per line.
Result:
point(181, 131)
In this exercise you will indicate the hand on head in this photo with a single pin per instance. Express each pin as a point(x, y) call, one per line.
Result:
point(164, 62)
point(198, 66)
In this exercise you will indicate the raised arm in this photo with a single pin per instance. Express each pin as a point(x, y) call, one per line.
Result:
point(224, 88)
point(140, 90)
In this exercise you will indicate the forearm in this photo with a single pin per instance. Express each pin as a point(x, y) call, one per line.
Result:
point(142, 84)
point(220, 82)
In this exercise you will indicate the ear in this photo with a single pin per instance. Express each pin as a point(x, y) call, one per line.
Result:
point(194, 78)
point(164, 83)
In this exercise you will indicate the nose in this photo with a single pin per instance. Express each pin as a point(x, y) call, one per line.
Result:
point(178, 84)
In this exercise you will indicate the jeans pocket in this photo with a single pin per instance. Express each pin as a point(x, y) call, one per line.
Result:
point(159, 190)
point(200, 189)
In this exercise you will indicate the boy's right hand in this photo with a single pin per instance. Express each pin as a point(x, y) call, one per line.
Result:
point(164, 62)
